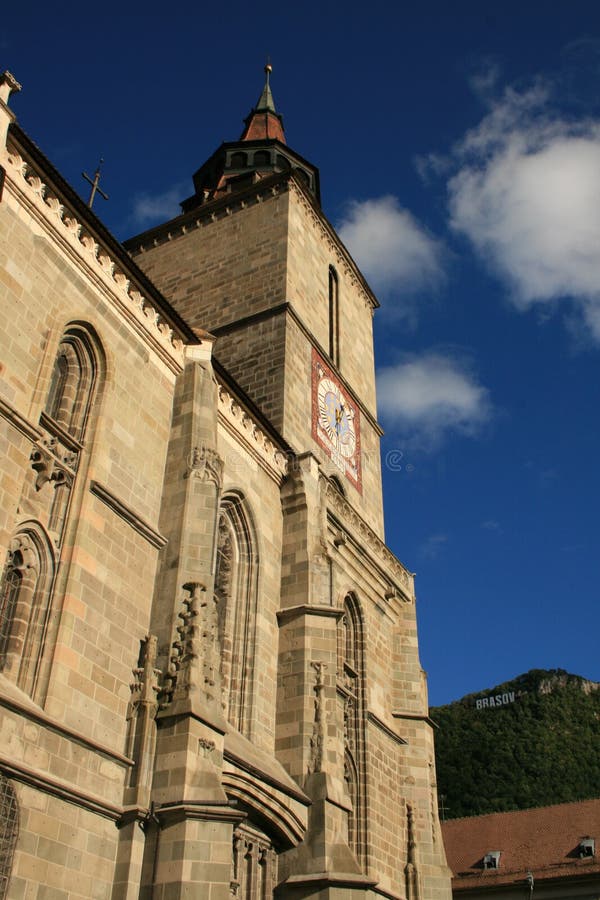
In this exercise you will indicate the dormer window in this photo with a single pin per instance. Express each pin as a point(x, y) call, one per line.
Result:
point(587, 847)
point(491, 860)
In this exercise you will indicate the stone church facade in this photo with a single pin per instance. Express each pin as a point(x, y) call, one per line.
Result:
point(209, 674)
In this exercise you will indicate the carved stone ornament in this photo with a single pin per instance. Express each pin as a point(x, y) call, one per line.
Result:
point(53, 462)
point(253, 862)
point(145, 687)
point(195, 663)
point(205, 464)
point(254, 438)
point(355, 526)
point(349, 717)
point(315, 762)
point(206, 747)
point(8, 85)
point(411, 872)
point(224, 569)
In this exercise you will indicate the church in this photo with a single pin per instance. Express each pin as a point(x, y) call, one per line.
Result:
point(210, 684)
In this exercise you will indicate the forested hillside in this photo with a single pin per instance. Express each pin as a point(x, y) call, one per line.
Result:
point(532, 741)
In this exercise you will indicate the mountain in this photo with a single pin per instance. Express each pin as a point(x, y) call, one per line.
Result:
point(532, 741)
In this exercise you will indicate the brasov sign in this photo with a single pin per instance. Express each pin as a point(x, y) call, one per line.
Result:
point(496, 700)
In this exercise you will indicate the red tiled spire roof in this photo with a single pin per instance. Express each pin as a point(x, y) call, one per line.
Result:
point(264, 123)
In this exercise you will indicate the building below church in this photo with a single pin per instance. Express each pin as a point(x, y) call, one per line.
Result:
point(548, 853)
point(209, 674)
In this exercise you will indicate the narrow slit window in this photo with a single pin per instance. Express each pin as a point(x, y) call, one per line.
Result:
point(334, 317)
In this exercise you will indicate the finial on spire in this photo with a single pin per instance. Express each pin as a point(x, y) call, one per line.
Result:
point(265, 101)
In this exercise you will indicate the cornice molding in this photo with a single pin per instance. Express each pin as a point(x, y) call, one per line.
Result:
point(188, 809)
point(17, 420)
point(306, 609)
point(380, 724)
point(42, 782)
point(331, 879)
point(248, 432)
point(95, 260)
point(352, 524)
point(272, 186)
point(29, 710)
point(416, 717)
point(125, 512)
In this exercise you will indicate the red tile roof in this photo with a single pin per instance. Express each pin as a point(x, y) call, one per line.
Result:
point(542, 841)
point(263, 125)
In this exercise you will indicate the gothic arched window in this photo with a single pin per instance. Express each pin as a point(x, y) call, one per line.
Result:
point(351, 691)
point(27, 625)
point(25, 592)
point(73, 381)
point(236, 591)
point(73, 387)
point(9, 831)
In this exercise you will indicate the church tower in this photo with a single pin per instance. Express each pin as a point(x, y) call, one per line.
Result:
point(253, 260)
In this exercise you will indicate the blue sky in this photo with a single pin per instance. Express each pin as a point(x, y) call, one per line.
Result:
point(459, 149)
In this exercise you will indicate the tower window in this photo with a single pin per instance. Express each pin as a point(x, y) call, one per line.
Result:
point(73, 382)
point(25, 594)
point(334, 317)
point(350, 691)
point(238, 160)
point(262, 158)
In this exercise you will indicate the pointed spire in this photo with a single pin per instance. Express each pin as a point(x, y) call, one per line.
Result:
point(265, 101)
point(264, 123)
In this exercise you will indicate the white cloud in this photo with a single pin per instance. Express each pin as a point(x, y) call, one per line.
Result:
point(431, 546)
point(492, 525)
point(152, 209)
point(428, 397)
point(527, 195)
point(484, 79)
point(393, 250)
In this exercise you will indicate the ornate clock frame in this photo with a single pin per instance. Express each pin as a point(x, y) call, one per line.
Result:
point(336, 421)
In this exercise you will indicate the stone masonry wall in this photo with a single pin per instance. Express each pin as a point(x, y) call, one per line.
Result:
point(231, 266)
point(75, 734)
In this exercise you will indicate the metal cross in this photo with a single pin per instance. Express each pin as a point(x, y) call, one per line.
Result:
point(95, 184)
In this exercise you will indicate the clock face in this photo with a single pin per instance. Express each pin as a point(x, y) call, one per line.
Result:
point(336, 426)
